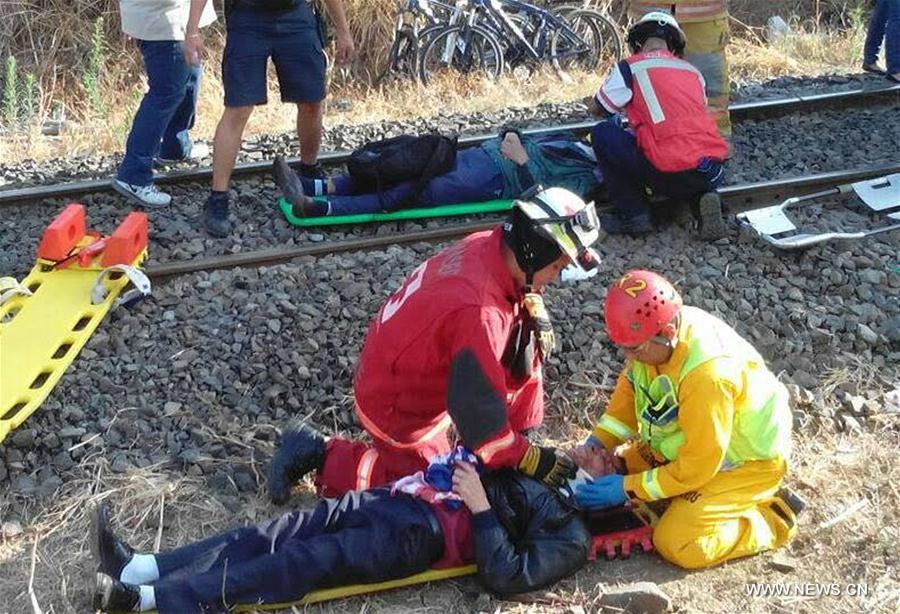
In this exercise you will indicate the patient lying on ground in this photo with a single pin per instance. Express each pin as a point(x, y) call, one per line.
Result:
point(522, 535)
point(501, 167)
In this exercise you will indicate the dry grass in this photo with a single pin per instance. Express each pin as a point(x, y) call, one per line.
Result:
point(158, 508)
point(812, 49)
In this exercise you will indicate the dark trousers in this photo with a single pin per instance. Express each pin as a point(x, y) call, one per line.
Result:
point(474, 178)
point(161, 125)
point(626, 171)
point(884, 25)
point(363, 537)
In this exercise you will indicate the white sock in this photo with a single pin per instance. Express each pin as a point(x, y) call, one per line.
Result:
point(148, 598)
point(141, 569)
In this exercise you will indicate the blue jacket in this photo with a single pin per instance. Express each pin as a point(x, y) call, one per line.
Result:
point(559, 160)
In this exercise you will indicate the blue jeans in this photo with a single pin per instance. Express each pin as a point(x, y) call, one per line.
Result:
point(884, 25)
point(365, 536)
point(166, 114)
point(626, 171)
point(474, 178)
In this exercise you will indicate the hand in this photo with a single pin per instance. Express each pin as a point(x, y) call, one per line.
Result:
point(467, 484)
point(548, 465)
point(511, 148)
point(540, 319)
point(343, 48)
point(608, 491)
point(193, 48)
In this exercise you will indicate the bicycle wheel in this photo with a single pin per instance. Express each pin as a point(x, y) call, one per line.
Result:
point(465, 49)
point(401, 57)
point(576, 46)
point(609, 44)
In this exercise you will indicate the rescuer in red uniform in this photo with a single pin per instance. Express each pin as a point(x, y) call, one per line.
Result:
point(461, 342)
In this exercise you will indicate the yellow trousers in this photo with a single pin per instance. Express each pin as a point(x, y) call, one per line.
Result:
point(706, 43)
point(735, 514)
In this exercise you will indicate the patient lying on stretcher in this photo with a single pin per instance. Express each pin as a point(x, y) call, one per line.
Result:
point(522, 535)
point(501, 167)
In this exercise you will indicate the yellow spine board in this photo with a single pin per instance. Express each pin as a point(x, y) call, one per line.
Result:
point(40, 335)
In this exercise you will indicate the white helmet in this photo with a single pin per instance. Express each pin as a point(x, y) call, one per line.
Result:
point(555, 217)
point(657, 24)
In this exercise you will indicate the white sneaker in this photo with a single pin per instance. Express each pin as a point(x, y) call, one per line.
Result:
point(148, 196)
point(198, 151)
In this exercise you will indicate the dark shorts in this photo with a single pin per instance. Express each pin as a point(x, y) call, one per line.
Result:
point(290, 38)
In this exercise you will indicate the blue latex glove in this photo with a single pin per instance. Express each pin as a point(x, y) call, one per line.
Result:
point(608, 491)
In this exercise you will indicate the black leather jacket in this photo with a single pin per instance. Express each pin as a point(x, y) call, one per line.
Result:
point(529, 538)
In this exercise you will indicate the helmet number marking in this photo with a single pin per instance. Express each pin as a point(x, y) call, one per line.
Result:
point(636, 285)
point(412, 283)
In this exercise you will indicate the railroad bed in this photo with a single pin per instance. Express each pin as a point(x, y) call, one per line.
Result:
point(210, 367)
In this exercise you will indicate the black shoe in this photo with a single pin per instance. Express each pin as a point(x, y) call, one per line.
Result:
point(215, 216)
point(712, 224)
point(618, 224)
point(292, 189)
point(113, 596)
point(312, 171)
point(874, 69)
point(110, 552)
point(302, 450)
point(792, 499)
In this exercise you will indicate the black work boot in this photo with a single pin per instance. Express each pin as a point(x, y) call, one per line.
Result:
point(292, 189)
point(215, 215)
point(110, 552)
point(712, 224)
point(792, 499)
point(312, 171)
point(302, 450)
point(110, 595)
point(618, 224)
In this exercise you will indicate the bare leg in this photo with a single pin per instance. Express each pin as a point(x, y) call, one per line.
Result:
point(309, 130)
point(227, 143)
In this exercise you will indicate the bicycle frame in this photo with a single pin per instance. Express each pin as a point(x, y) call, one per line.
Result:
point(548, 23)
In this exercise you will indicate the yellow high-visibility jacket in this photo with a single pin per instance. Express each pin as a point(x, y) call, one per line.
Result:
point(685, 11)
point(712, 407)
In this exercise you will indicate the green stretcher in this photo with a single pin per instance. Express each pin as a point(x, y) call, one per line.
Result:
point(489, 206)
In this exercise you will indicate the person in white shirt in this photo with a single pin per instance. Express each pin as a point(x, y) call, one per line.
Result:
point(160, 130)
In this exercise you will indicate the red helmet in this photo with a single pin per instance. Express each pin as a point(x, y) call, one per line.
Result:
point(638, 306)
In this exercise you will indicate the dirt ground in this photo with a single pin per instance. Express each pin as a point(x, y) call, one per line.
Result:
point(841, 562)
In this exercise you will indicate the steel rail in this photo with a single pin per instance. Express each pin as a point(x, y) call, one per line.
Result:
point(736, 198)
point(765, 108)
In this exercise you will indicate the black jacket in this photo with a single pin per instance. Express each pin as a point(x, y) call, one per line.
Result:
point(529, 538)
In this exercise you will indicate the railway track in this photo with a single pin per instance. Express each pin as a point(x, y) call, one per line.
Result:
point(736, 198)
point(741, 111)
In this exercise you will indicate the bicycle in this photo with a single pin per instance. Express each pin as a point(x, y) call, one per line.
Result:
point(467, 48)
point(532, 34)
point(416, 21)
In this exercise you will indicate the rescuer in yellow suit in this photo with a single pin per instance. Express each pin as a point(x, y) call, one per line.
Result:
point(708, 427)
point(705, 26)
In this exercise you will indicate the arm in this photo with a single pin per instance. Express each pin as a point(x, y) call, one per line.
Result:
point(706, 416)
point(513, 150)
point(193, 40)
point(614, 94)
point(476, 387)
point(552, 546)
point(619, 422)
point(344, 42)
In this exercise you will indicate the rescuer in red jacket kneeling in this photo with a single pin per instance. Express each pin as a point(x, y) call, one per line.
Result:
point(671, 144)
point(461, 342)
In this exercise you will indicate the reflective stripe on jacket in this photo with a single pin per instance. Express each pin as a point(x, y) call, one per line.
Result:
point(762, 422)
point(668, 112)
